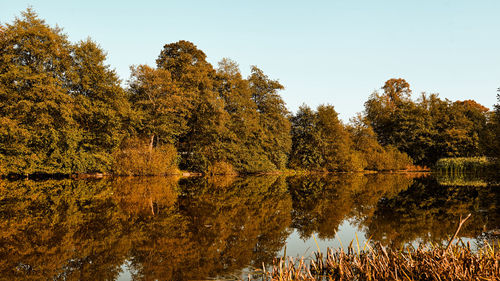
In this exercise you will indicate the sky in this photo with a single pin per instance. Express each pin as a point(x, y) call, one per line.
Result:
point(324, 52)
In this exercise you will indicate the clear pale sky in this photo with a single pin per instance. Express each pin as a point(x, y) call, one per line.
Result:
point(335, 52)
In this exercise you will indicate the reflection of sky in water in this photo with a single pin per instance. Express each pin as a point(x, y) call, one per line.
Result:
point(392, 208)
point(125, 275)
point(297, 247)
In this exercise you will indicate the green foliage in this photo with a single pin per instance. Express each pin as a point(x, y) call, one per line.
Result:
point(38, 132)
point(221, 168)
point(305, 153)
point(246, 141)
point(496, 130)
point(161, 108)
point(211, 116)
point(377, 157)
point(61, 108)
point(204, 140)
point(137, 158)
point(275, 139)
point(320, 141)
point(430, 128)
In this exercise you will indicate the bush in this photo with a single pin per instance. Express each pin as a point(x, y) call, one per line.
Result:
point(398, 160)
point(135, 158)
point(221, 168)
point(354, 162)
point(390, 158)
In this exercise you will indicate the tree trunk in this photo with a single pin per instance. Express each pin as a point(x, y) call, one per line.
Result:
point(151, 141)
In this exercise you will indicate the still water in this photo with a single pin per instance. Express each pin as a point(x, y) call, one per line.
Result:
point(198, 229)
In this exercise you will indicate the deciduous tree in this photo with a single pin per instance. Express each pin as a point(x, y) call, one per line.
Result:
point(273, 117)
point(204, 142)
point(38, 133)
point(245, 150)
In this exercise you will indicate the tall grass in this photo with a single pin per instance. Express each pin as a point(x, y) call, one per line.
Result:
point(458, 262)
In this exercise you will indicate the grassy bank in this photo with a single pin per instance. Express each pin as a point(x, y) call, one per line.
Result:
point(458, 262)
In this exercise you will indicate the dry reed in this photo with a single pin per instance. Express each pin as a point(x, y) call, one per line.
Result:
point(458, 262)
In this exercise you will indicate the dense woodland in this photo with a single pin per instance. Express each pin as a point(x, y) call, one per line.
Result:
point(63, 111)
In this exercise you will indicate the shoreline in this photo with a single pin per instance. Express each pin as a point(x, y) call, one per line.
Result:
point(185, 174)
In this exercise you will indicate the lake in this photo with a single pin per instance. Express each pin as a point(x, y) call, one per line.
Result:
point(196, 229)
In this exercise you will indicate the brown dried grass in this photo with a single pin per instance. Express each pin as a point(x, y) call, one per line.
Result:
point(458, 262)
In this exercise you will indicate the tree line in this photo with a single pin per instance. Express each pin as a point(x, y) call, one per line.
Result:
point(63, 110)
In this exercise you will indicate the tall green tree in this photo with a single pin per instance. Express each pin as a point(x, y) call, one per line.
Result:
point(456, 128)
point(245, 151)
point(273, 117)
point(162, 109)
point(37, 133)
point(383, 109)
point(305, 153)
point(428, 129)
point(322, 142)
point(334, 141)
point(62, 110)
point(205, 141)
point(101, 107)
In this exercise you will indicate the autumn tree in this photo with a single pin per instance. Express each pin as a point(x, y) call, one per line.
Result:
point(216, 119)
point(496, 125)
point(101, 108)
point(428, 129)
point(335, 142)
point(321, 142)
point(203, 143)
point(398, 121)
point(376, 156)
point(38, 133)
point(245, 147)
point(305, 152)
point(381, 109)
point(62, 109)
point(365, 141)
point(162, 109)
point(273, 117)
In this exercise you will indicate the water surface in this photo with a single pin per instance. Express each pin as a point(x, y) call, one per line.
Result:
point(196, 229)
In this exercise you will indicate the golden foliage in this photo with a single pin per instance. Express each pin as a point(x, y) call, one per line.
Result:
point(136, 158)
point(221, 168)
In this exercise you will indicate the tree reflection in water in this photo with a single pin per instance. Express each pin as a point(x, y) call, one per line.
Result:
point(170, 229)
point(429, 212)
point(322, 203)
point(85, 230)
